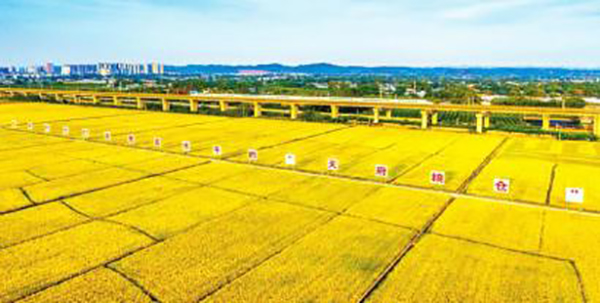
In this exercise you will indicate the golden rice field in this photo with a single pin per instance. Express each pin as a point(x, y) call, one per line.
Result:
point(189, 208)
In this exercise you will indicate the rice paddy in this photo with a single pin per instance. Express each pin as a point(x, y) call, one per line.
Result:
point(226, 218)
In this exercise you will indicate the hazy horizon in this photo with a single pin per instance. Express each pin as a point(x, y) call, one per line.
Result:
point(455, 33)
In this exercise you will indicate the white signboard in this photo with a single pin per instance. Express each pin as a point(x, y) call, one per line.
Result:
point(47, 128)
point(85, 133)
point(290, 159)
point(574, 195)
point(186, 146)
point(333, 164)
point(131, 139)
point(381, 171)
point(438, 177)
point(66, 131)
point(217, 150)
point(30, 125)
point(252, 155)
point(157, 142)
point(107, 136)
point(502, 186)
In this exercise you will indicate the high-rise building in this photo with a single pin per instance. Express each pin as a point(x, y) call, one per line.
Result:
point(65, 70)
point(49, 68)
point(155, 68)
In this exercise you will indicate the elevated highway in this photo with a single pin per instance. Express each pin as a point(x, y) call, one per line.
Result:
point(429, 111)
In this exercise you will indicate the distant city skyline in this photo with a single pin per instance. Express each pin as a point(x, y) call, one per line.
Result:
point(456, 33)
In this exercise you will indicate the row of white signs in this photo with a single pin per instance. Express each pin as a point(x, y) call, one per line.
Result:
point(572, 195)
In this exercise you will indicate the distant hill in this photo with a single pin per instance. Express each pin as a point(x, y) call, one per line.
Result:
point(326, 69)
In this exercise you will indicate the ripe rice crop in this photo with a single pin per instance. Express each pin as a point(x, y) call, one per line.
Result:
point(442, 269)
point(339, 269)
point(131, 195)
point(36, 221)
point(163, 164)
point(176, 213)
point(79, 183)
point(326, 193)
point(529, 178)
point(210, 173)
point(39, 263)
point(99, 283)
point(262, 182)
point(11, 199)
point(17, 179)
point(458, 161)
point(40, 112)
point(65, 169)
point(574, 236)
point(570, 175)
point(190, 266)
point(412, 209)
point(510, 226)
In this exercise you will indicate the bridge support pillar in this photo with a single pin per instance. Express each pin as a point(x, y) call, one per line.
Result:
point(223, 106)
point(388, 113)
point(95, 100)
point(335, 111)
point(424, 119)
point(294, 111)
point(486, 120)
point(116, 101)
point(139, 103)
point(545, 122)
point(435, 118)
point(376, 115)
point(257, 110)
point(166, 106)
point(479, 117)
point(194, 106)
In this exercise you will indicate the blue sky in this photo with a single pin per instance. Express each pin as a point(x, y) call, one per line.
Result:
point(375, 32)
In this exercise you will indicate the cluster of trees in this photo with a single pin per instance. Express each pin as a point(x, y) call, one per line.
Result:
point(435, 89)
point(570, 102)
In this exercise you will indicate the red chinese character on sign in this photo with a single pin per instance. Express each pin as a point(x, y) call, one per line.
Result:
point(502, 186)
point(217, 150)
point(574, 195)
point(253, 155)
point(333, 164)
point(186, 146)
point(381, 171)
point(438, 177)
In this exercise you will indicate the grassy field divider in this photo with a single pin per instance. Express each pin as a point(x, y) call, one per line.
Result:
point(292, 141)
point(551, 185)
point(311, 229)
point(27, 196)
point(130, 227)
point(465, 186)
point(571, 262)
point(83, 272)
point(104, 187)
point(134, 283)
point(409, 169)
point(416, 238)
